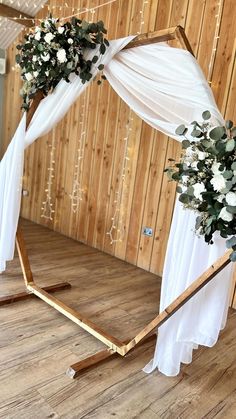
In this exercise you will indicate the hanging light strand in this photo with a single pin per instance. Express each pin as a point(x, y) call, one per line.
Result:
point(76, 195)
point(117, 230)
point(218, 17)
point(75, 11)
point(47, 205)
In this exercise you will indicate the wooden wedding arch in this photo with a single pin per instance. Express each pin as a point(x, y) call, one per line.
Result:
point(115, 346)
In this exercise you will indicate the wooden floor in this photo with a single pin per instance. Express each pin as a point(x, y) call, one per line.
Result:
point(37, 344)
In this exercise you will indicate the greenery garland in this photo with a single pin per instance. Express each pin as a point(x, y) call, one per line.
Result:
point(51, 52)
point(206, 174)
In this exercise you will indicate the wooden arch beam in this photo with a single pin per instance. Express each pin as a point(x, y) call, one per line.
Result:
point(16, 15)
point(114, 345)
point(164, 35)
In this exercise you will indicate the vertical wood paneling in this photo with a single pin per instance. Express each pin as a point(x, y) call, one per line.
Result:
point(224, 51)
point(157, 165)
point(149, 197)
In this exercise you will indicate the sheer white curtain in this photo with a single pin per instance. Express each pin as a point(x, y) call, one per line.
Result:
point(50, 111)
point(201, 319)
point(165, 87)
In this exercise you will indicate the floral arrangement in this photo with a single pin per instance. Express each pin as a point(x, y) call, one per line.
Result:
point(206, 176)
point(51, 52)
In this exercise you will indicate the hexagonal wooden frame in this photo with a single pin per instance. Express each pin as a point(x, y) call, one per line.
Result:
point(115, 346)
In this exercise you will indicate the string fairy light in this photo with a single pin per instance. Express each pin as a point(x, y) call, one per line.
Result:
point(75, 11)
point(76, 195)
point(215, 41)
point(47, 205)
point(117, 230)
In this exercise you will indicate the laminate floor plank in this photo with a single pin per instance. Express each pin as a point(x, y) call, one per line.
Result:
point(38, 344)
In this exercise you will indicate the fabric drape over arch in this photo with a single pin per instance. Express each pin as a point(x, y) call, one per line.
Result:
point(165, 87)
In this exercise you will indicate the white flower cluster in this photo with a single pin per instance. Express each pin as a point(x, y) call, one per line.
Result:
point(206, 176)
point(210, 171)
point(52, 52)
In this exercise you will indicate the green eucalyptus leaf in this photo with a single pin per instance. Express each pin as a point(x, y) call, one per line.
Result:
point(179, 189)
point(206, 143)
point(229, 124)
point(185, 144)
point(18, 58)
point(85, 25)
point(206, 115)
point(228, 174)
point(224, 190)
point(223, 234)
point(231, 210)
point(190, 191)
point(230, 145)
point(196, 133)
point(220, 145)
point(181, 130)
point(176, 176)
point(102, 49)
point(231, 242)
point(198, 222)
point(95, 58)
point(40, 47)
point(233, 257)
point(229, 184)
point(217, 133)
point(184, 198)
point(233, 132)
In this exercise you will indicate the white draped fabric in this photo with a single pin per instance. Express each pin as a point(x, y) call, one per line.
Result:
point(50, 111)
point(201, 319)
point(165, 87)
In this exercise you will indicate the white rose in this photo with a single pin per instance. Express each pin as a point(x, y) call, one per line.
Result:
point(231, 198)
point(48, 37)
point(35, 73)
point(47, 23)
point(194, 164)
point(37, 36)
point(70, 41)
point(225, 215)
point(188, 152)
point(215, 168)
point(34, 58)
point(28, 76)
point(61, 55)
point(198, 188)
point(184, 179)
point(218, 182)
point(220, 198)
point(45, 57)
point(61, 29)
point(201, 155)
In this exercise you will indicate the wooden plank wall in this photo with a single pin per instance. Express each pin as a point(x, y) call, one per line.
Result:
point(148, 197)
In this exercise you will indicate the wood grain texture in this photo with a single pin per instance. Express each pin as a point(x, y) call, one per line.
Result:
point(16, 15)
point(150, 198)
point(38, 344)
